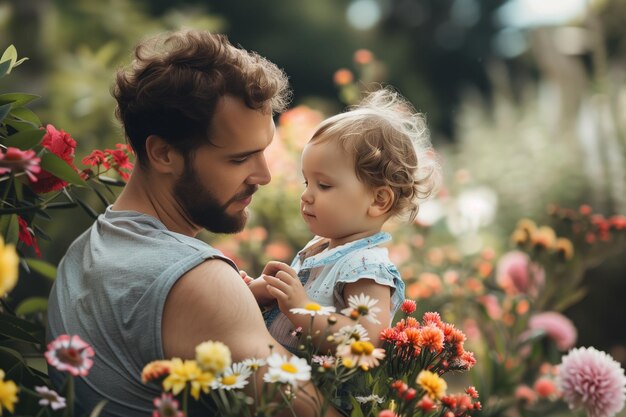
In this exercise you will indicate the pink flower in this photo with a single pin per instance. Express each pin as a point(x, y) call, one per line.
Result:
point(62, 145)
point(20, 161)
point(545, 388)
point(515, 273)
point(50, 397)
point(525, 394)
point(593, 380)
point(166, 406)
point(71, 354)
point(558, 327)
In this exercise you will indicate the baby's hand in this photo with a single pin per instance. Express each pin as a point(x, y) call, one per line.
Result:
point(246, 278)
point(259, 290)
point(286, 287)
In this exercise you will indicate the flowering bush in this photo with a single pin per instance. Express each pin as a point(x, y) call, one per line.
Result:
point(38, 174)
point(405, 376)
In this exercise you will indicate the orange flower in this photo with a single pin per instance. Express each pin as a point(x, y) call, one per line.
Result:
point(431, 338)
point(154, 370)
point(343, 76)
point(363, 56)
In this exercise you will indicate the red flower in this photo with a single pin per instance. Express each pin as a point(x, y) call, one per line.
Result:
point(118, 159)
point(408, 306)
point(96, 158)
point(62, 145)
point(20, 161)
point(26, 236)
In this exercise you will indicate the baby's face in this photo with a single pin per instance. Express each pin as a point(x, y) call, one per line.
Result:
point(334, 203)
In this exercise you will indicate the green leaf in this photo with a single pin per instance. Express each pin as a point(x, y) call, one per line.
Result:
point(10, 54)
point(9, 227)
point(26, 139)
point(90, 212)
point(4, 110)
point(571, 299)
point(5, 68)
point(17, 99)
point(42, 267)
point(26, 114)
point(20, 61)
point(60, 169)
point(19, 190)
point(356, 408)
point(19, 125)
point(98, 409)
point(101, 196)
point(111, 181)
point(18, 329)
point(32, 305)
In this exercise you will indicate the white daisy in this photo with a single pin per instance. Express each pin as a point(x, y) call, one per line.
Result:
point(362, 305)
point(349, 334)
point(286, 370)
point(370, 399)
point(314, 309)
point(254, 363)
point(360, 353)
point(235, 377)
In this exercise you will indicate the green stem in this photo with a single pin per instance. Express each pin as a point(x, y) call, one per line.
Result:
point(186, 401)
point(6, 190)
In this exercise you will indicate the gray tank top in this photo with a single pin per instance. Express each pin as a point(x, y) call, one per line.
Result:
point(110, 290)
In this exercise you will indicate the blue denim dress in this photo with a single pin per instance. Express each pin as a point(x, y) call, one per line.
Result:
point(324, 273)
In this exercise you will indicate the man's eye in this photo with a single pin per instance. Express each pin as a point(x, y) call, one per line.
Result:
point(239, 160)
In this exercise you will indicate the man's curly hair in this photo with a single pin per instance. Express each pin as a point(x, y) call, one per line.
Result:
point(175, 80)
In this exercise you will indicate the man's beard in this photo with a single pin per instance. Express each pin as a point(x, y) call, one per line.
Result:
point(203, 208)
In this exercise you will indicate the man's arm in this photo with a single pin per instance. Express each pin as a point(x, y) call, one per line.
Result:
point(212, 302)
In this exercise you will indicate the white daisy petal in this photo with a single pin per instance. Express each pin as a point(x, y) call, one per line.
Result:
point(313, 309)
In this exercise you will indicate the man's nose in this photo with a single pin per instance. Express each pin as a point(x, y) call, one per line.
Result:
point(261, 175)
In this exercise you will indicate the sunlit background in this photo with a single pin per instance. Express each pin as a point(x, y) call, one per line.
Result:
point(525, 100)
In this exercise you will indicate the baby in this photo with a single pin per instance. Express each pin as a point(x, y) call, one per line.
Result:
point(360, 168)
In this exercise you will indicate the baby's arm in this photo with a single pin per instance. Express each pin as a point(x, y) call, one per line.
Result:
point(289, 293)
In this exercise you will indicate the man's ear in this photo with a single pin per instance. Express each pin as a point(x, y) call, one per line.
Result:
point(383, 200)
point(163, 158)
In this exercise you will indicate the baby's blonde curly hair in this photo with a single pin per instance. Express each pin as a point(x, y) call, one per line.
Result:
point(390, 145)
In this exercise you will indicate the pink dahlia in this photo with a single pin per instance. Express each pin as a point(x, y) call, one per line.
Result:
point(593, 380)
point(515, 273)
point(558, 327)
point(17, 161)
point(71, 354)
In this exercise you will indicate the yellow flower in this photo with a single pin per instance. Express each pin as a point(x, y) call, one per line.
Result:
point(8, 267)
point(564, 248)
point(213, 356)
point(183, 372)
point(434, 385)
point(8, 393)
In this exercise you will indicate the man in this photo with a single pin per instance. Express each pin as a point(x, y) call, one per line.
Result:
point(137, 285)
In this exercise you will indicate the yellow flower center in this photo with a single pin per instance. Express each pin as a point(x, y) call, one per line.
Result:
point(229, 379)
point(361, 348)
point(288, 367)
point(313, 307)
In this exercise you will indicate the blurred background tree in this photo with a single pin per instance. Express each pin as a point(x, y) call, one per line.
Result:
point(525, 100)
